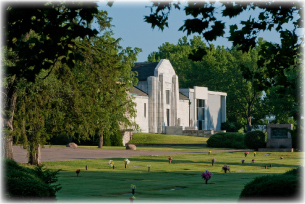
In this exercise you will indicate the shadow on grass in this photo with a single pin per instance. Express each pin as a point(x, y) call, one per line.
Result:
point(152, 186)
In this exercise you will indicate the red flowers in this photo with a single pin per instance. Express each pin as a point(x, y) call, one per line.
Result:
point(226, 168)
point(206, 176)
point(170, 159)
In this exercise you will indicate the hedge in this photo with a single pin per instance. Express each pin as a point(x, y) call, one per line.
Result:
point(255, 139)
point(282, 186)
point(227, 140)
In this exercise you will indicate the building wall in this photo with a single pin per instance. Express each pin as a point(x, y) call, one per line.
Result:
point(183, 112)
point(141, 120)
point(214, 113)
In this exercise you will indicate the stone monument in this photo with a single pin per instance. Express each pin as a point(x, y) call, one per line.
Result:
point(278, 136)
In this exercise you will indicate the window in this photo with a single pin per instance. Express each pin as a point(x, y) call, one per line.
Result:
point(200, 113)
point(145, 110)
point(167, 115)
point(167, 96)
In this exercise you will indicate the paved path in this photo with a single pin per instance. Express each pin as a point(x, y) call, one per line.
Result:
point(67, 153)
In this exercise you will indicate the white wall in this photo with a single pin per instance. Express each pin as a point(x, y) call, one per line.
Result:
point(214, 112)
point(183, 113)
point(140, 119)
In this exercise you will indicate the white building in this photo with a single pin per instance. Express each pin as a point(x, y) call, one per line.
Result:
point(161, 103)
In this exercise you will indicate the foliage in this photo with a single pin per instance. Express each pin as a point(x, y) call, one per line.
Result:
point(230, 126)
point(37, 36)
point(281, 186)
point(33, 184)
point(255, 139)
point(113, 137)
point(80, 101)
point(227, 140)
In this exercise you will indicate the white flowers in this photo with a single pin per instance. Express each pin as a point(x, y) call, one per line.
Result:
point(126, 161)
point(111, 163)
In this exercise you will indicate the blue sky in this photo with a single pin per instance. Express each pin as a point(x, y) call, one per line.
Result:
point(128, 21)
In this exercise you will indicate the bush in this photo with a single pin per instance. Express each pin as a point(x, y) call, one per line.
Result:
point(285, 185)
point(230, 126)
point(255, 140)
point(227, 140)
point(32, 184)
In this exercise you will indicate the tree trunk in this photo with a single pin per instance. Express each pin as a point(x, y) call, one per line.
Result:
point(7, 123)
point(100, 145)
point(249, 125)
point(35, 155)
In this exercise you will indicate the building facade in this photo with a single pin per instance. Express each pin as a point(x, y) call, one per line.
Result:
point(161, 103)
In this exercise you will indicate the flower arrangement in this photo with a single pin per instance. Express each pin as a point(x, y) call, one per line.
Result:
point(281, 157)
point(254, 153)
point(242, 161)
point(148, 166)
point(206, 176)
point(77, 172)
point(170, 159)
point(133, 187)
point(111, 163)
point(226, 168)
point(209, 152)
point(253, 160)
point(246, 153)
point(132, 198)
point(126, 161)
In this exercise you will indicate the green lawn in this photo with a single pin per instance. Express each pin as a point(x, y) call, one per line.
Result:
point(151, 138)
point(101, 183)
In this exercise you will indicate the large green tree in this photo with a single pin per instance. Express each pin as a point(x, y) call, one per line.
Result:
point(279, 59)
point(85, 100)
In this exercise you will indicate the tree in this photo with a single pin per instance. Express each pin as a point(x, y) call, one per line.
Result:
point(85, 100)
point(220, 70)
point(277, 58)
point(57, 25)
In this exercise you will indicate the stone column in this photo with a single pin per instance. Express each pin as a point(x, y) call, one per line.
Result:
point(152, 84)
point(174, 100)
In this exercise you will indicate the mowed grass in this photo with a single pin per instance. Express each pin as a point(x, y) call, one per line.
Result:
point(151, 138)
point(177, 182)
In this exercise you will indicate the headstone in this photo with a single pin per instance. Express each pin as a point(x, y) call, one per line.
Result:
point(131, 146)
point(72, 145)
point(278, 136)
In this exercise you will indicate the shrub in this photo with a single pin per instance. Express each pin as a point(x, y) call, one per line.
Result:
point(285, 185)
point(32, 184)
point(227, 140)
point(255, 139)
point(230, 126)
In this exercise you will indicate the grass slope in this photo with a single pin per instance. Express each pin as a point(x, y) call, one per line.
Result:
point(101, 183)
point(151, 138)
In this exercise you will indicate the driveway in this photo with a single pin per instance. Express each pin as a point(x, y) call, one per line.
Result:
point(67, 153)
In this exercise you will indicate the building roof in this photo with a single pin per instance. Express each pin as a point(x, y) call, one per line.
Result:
point(145, 69)
point(137, 91)
point(183, 97)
